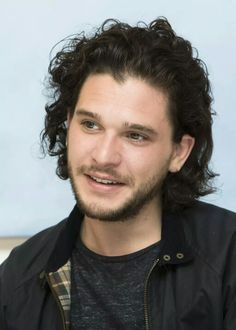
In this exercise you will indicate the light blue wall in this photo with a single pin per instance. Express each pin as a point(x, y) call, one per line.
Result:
point(31, 196)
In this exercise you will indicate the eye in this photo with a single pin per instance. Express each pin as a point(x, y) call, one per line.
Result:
point(136, 137)
point(89, 125)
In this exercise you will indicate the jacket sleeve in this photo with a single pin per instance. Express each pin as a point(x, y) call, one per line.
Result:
point(230, 317)
point(229, 288)
point(2, 316)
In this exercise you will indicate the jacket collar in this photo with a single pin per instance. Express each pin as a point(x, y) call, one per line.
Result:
point(65, 241)
point(174, 247)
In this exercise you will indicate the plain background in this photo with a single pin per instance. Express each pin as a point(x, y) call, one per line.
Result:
point(31, 196)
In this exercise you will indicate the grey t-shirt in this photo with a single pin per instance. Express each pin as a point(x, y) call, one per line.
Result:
point(108, 292)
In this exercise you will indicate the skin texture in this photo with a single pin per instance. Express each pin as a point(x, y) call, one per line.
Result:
point(105, 141)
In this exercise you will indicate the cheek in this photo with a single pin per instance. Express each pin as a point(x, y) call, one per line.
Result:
point(77, 146)
point(145, 163)
point(140, 162)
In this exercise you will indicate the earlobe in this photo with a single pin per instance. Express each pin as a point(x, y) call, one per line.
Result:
point(181, 153)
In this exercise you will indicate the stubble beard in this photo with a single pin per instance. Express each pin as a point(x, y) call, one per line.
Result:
point(147, 192)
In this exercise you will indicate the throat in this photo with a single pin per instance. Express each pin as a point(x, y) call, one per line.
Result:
point(121, 238)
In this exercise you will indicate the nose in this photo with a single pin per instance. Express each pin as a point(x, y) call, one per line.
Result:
point(107, 151)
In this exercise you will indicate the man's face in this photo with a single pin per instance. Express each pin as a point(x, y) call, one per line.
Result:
point(119, 147)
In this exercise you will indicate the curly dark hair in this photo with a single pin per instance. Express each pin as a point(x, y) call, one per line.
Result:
point(157, 55)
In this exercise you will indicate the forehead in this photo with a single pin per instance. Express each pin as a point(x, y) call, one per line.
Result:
point(130, 100)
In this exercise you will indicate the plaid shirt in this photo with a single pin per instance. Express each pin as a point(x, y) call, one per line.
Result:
point(60, 282)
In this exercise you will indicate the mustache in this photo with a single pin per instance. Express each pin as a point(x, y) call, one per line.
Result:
point(105, 171)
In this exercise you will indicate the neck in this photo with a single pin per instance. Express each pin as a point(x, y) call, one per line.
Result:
point(123, 237)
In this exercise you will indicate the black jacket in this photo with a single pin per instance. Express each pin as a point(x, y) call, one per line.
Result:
point(191, 286)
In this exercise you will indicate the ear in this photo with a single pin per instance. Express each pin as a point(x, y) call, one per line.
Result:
point(181, 152)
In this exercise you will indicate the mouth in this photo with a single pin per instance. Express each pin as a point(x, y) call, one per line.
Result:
point(105, 181)
point(102, 183)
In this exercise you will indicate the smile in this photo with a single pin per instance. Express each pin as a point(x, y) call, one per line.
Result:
point(104, 181)
point(103, 185)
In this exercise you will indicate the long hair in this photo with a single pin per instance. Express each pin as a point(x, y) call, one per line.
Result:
point(157, 55)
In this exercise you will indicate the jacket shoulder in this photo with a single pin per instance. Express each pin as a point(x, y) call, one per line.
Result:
point(30, 257)
point(201, 211)
point(211, 231)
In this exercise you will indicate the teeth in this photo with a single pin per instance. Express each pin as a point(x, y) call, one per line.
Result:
point(103, 180)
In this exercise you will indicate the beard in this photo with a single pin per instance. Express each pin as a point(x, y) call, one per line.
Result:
point(149, 190)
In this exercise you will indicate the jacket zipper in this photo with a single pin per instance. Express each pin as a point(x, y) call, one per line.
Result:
point(146, 316)
point(57, 301)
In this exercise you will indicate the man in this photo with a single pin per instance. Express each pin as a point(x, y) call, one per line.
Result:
point(130, 123)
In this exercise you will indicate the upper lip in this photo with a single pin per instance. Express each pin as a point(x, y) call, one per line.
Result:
point(104, 177)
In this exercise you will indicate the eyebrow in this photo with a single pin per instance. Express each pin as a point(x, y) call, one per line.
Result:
point(94, 115)
point(134, 126)
point(141, 128)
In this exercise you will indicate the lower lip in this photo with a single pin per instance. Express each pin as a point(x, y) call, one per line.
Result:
point(103, 187)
